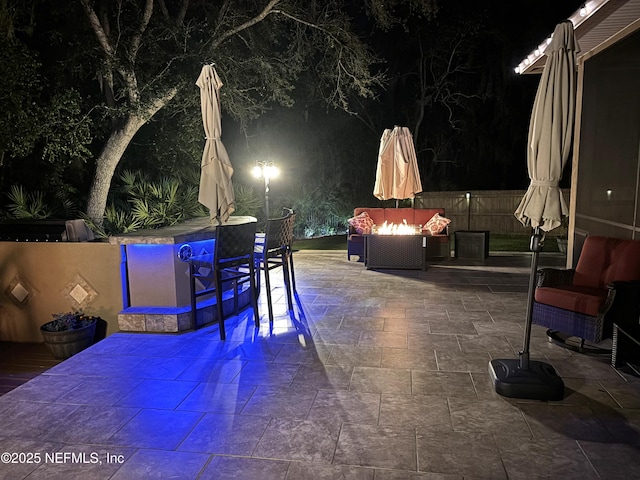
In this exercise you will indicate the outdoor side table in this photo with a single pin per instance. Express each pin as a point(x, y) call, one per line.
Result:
point(472, 244)
point(625, 350)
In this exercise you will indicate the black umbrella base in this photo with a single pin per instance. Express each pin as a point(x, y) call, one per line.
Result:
point(538, 382)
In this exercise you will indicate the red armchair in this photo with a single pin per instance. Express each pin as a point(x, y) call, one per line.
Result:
point(585, 302)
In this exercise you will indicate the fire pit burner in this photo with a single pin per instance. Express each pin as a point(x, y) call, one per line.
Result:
point(397, 229)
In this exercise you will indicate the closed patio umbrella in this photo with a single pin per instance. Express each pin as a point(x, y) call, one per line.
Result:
point(542, 207)
point(551, 133)
point(216, 189)
point(397, 174)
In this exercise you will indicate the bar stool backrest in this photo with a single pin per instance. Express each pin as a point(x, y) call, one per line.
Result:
point(278, 235)
point(292, 220)
point(234, 243)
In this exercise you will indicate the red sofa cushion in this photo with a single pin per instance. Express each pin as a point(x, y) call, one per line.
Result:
point(584, 300)
point(398, 215)
point(604, 260)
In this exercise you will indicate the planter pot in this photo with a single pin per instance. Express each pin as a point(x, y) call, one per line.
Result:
point(66, 343)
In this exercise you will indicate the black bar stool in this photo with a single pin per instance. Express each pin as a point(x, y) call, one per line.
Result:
point(275, 252)
point(233, 260)
point(288, 212)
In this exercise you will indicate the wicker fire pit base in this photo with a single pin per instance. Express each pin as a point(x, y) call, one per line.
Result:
point(395, 251)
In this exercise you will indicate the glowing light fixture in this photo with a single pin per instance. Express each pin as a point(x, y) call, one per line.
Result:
point(585, 11)
point(468, 197)
point(266, 170)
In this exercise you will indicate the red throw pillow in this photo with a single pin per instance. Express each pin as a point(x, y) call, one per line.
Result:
point(362, 223)
point(436, 225)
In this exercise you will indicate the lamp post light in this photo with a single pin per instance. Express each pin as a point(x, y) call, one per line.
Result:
point(468, 197)
point(267, 171)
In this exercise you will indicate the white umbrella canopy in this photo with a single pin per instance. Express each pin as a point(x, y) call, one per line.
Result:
point(397, 174)
point(551, 133)
point(550, 137)
point(216, 188)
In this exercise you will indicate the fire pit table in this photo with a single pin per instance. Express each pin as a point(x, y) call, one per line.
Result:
point(395, 251)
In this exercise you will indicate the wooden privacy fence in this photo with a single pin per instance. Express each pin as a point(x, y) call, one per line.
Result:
point(484, 210)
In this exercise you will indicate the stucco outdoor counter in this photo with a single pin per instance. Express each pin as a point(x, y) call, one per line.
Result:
point(190, 231)
point(155, 283)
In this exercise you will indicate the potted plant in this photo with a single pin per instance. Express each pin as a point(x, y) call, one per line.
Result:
point(69, 333)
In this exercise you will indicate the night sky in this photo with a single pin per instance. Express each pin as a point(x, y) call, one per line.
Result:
point(294, 138)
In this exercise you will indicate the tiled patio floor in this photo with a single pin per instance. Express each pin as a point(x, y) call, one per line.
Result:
point(376, 375)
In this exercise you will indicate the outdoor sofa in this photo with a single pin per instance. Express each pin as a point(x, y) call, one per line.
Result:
point(438, 229)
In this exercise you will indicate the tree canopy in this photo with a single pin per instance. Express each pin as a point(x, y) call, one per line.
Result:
point(90, 85)
point(131, 58)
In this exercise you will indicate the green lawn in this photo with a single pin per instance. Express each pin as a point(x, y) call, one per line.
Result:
point(334, 242)
point(517, 243)
point(497, 243)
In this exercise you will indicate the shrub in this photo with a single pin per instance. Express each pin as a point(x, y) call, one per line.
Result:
point(68, 321)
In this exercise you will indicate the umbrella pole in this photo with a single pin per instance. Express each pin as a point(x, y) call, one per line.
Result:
point(522, 377)
point(266, 198)
point(535, 246)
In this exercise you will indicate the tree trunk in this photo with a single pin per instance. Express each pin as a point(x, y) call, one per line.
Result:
point(112, 152)
point(106, 164)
